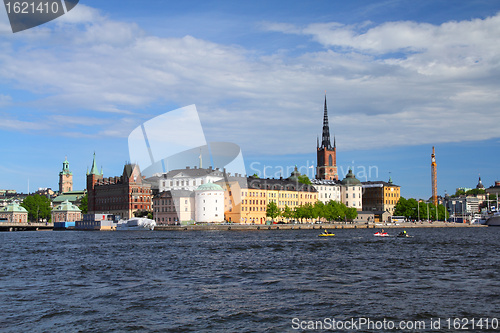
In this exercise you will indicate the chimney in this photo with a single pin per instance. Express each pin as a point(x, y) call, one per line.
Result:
point(188, 167)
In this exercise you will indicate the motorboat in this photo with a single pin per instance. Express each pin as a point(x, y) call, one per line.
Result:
point(381, 234)
point(494, 220)
point(136, 223)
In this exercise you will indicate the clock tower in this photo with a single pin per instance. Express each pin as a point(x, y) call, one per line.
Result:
point(326, 154)
point(65, 178)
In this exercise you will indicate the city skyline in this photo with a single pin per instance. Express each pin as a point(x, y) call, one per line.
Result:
point(399, 77)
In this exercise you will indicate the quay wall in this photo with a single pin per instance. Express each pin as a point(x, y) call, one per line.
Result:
point(311, 226)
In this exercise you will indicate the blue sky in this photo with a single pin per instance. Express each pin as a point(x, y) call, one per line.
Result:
point(400, 76)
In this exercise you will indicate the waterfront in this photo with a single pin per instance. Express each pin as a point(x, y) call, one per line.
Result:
point(242, 280)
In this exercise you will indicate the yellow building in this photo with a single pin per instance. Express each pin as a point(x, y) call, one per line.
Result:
point(246, 199)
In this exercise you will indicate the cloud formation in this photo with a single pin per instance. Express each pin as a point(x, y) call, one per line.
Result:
point(397, 83)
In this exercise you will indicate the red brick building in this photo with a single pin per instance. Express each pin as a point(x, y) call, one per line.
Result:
point(326, 154)
point(121, 195)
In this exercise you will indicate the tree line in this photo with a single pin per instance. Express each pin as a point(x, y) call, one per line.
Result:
point(411, 209)
point(331, 211)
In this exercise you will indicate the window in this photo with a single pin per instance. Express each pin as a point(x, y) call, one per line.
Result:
point(330, 160)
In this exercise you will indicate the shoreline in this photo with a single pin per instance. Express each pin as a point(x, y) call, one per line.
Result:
point(311, 226)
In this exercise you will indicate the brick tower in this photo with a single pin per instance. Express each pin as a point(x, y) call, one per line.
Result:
point(65, 178)
point(326, 154)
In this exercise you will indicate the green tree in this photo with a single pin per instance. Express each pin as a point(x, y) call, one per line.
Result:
point(475, 191)
point(38, 207)
point(319, 210)
point(255, 175)
point(287, 213)
point(336, 211)
point(458, 193)
point(272, 210)
point(304, 180)
point(84, 204)
point(144, 213)
point(351, 213)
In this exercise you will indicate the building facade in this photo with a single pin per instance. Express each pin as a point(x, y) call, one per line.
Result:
point(188, 179)
point(246, 198)
point(380, 196)
point(352, 191)
point(14, 212)
point(209, 203)
point(326, 154)
point(122, 195)
point(65, 178)
point(174, 207)
point(327, 190)
point(66, 212)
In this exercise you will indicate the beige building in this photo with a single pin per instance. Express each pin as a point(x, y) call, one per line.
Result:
point(352, 191)
point(66, 212)
point(14, 212)
point(246, 198)
point(174, 207)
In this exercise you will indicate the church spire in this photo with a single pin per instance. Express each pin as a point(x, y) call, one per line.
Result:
point(93, 170)
point(325, 143)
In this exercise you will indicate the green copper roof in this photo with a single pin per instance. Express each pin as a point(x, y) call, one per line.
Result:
point(209, 187)
point(14, 207)
point(350, 179)
point(67, 206)
point(94, 170)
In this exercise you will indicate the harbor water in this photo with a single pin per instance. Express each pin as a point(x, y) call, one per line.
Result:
point(247, 281)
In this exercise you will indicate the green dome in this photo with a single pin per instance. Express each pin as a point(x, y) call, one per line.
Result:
point(67, 206)
point(350, 179)
point(209, 187)
point(14, 207)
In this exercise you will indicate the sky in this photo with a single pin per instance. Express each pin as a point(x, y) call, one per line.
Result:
point(400, 77)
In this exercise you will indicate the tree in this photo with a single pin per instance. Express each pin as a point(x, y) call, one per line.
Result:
point(475, 191)
point(351, 213)
point(303, 179)
point(318, 209)
point(458, 193)
point(38, 207)
point(287, 213)
point(84, 204)
point(144, 213)
point(255, 175)
point(272, 210)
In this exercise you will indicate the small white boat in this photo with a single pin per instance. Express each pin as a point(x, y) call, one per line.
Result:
point(136, 223)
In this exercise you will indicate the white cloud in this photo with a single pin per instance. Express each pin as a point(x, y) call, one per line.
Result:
point(397, 83)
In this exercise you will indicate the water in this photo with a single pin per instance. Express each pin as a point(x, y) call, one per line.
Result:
point(231, 281)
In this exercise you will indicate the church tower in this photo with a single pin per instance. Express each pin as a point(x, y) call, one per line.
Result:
point(65, 178)
point(92, 178)
point(326, 154)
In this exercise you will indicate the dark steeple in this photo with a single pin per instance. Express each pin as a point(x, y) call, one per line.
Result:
point(325, 143)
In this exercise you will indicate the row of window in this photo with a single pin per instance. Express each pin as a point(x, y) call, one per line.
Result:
point(182, 182)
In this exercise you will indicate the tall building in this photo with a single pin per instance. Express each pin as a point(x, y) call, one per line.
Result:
point(65, 178)
point(380, 196)
point(121, 195)
point(92, 178)
point(326, 154)
point(434, 177)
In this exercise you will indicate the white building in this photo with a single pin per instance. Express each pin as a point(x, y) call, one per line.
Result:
point(352, 191)
point(185, 179)
point(327, 190)
point(209, 203)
